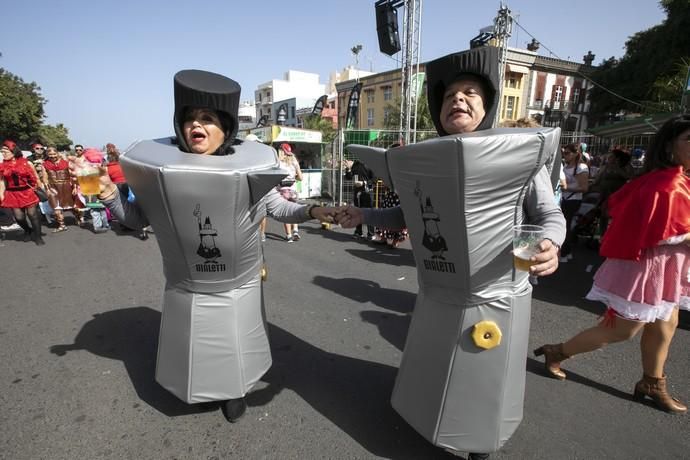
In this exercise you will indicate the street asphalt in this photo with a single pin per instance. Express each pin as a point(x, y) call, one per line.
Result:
point(79, 321)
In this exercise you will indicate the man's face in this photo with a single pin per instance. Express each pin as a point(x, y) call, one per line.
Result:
point(79, 150)
point(38, 150)
point(463, 106)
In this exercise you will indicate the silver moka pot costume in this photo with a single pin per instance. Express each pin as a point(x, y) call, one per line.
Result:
point(205, 211)
point(462, 377)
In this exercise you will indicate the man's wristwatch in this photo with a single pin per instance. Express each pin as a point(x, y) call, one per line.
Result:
point(310, 209)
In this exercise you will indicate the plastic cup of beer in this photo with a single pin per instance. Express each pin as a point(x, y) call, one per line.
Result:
point(526, 239)
point(89, 180)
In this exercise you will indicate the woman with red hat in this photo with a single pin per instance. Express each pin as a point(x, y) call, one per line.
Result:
point(17, 190)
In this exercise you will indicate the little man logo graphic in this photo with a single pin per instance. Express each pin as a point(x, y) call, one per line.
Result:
point(433, 240)
point(207, 244)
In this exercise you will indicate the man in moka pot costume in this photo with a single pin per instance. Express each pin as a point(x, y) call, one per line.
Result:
point(462, 376)
point(205, 194)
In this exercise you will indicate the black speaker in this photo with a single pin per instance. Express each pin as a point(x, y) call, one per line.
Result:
point(387, 28)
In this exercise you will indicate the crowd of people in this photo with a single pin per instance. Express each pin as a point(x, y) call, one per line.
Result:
point(41, 188)
point(644, 281)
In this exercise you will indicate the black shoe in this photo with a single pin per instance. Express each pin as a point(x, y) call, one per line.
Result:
point(476, 456)
point(234, 409)
point(27, 237)
point(39, 241)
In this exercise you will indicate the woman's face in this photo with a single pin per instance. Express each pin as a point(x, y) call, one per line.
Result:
point(569, 156)
point(203, 131)
point(7, 154)
point(52, 154)
point(463, 106)
point(681, 149)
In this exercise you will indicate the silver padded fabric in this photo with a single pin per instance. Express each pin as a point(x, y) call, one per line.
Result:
point(461, 195)
point(206, 211)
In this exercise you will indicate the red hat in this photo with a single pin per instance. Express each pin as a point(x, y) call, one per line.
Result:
point(285, 147)
point(93, 155)
point(9, 144)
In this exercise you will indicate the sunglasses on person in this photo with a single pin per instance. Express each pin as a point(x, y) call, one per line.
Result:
point(78, 150)
point(39, 148)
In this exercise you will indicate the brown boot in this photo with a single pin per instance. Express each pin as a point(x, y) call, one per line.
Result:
point(553, 355)
point(655, 389)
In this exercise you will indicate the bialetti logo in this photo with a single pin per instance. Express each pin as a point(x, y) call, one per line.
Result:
point(433, 240)
point(207, 245)
point(439, 266)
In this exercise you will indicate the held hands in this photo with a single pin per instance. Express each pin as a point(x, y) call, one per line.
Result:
point(349, 216)
point(546, 260)
point(345, 216)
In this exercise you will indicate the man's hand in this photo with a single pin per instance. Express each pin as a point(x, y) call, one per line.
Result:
point(546, 262)
point(349, 217)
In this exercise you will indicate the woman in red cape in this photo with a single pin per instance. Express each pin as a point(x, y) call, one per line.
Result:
point(19, 180)
point(645, 278)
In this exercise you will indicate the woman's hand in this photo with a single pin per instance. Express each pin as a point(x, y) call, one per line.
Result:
point(546, 261)
point(324, 213)
point(349, 217)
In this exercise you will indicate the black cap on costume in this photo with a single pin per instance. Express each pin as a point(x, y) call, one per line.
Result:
point(198, 88)
point(480, 62)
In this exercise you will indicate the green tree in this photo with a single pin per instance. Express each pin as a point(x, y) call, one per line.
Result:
point(649, 65)
point(424, 121)
point(57, 135)
point(21, 107)
point(318, 123)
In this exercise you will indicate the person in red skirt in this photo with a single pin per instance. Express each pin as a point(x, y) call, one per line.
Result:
point(17, 191)
point(645, 278)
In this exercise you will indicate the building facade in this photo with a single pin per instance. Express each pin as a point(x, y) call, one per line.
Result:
point(552, 91)
point(295, 85)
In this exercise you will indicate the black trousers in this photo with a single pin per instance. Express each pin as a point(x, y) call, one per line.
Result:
point(362, 199)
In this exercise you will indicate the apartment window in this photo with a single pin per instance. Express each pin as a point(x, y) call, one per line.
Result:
point(387, 93)
point(576, 95)
point(259, 97)
point(370, 117)
point(370, 97)
point(557, 93)
point(292, 111)
point(513, 80)
point(386, 114)
point(509, 107)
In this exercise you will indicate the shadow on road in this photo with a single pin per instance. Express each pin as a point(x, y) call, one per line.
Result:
point(130, 335)
point(362, 290)
point(352, 393)
point(381, 254)
point(537, 367)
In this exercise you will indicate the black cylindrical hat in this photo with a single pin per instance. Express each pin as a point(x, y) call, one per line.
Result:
point(201, 89)
point(481, 62)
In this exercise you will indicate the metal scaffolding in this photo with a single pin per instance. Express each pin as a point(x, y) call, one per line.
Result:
point(412, 30)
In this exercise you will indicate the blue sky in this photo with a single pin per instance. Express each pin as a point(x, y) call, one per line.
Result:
point(106, 66)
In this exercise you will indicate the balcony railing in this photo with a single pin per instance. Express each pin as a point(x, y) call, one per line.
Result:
point(564, 106)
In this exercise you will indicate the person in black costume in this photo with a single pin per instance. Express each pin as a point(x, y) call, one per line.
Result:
point(362, 178)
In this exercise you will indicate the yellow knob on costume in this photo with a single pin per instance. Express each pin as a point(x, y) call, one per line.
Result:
point(264, 273)
point(486, 335)
point(326, 225)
